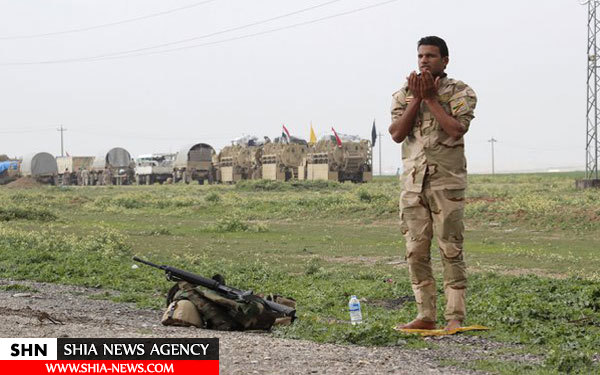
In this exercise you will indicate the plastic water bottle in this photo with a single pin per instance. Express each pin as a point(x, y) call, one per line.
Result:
point(355, 314)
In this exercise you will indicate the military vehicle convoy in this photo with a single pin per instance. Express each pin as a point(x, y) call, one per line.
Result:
point(284, 159)
point(153, 168)
point(350, 161)
point(41, 166)
point(240, 161)
point(281, 160)
point(72, 164)
point(194, 163)
point(113, 167)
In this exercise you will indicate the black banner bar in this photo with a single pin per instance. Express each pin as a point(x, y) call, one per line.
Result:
point(137, 349)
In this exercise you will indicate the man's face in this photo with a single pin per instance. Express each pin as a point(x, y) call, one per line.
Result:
point(430, 59)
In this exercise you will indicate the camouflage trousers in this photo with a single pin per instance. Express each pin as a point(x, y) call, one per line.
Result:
point(422, 215)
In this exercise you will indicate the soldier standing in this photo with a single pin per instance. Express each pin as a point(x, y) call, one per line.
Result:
point(430, 115)
point(107, 177)
point(66, 177)
point(85, 178)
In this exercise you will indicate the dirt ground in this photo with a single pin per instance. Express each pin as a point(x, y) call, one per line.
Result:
point(24, 183)
point(52, 310)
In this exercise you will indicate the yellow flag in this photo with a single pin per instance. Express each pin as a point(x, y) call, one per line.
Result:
point(313, 137)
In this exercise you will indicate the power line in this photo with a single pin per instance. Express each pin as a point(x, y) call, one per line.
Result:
point(22, 131)
point(88, 28)
point(224, 31)
point(191, 39)
point(131, 53)
point(522, 147)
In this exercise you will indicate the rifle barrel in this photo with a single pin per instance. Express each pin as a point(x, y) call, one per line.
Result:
point(179, 274)
point(135, 258)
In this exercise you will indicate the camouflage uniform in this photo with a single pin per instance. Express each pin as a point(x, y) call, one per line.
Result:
point(433, 197)
point(107, 177)
point(66, 179)
point(85, 177)
point(221, 313)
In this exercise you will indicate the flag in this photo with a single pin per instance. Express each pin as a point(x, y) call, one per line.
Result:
point(373, 134)
point(313, 137)
point(337, 139)
point(286, 132)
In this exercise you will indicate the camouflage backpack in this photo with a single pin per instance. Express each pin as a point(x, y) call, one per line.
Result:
point(218, 312)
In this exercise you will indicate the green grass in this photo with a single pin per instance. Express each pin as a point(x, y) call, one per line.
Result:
point(531, 244)
point(17, 288)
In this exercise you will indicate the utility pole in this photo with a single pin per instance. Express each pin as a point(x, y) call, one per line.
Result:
point(593, 112)
point(62, 148)
point(379, 135)
point(492, 141)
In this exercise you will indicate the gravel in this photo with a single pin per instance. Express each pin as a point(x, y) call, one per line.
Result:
point(52, 310)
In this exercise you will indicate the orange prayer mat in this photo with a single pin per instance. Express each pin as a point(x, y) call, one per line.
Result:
point(442, 332)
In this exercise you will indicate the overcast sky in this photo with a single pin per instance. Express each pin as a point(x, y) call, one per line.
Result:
point(526, 60)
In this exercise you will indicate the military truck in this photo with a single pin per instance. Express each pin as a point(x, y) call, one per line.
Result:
point(194, 163)
point(240, 161)
point(153, 168)
point(9, 170)
point(328, 161)
point(73, 164)
point(280, 159)
point(41, 166)
point(113, 167)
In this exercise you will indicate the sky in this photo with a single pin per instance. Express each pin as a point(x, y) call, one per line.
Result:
point(212, 71)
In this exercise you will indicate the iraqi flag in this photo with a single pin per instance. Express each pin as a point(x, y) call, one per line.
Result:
point(337, 139)
point(285, 134)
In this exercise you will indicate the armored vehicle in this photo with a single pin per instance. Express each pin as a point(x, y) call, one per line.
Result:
point(329, 161)
point(240, 161)
point(153, 168)
point(113, 167)
point(194, 163)
point(280, 159)
point(74, 165)
point(41, 166)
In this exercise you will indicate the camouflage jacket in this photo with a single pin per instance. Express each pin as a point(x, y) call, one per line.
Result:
point(428, 149)
point(226, 314)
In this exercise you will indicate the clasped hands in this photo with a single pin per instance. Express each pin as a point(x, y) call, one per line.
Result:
point(423, 86)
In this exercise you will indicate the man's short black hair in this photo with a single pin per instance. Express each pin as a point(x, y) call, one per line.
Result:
point(434, 41)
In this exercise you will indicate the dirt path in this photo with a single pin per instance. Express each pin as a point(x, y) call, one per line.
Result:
point(25, 314)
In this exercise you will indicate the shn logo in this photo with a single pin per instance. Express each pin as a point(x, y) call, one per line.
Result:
point(28, 350)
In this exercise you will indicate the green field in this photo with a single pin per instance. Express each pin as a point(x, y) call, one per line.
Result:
point(532, 245)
